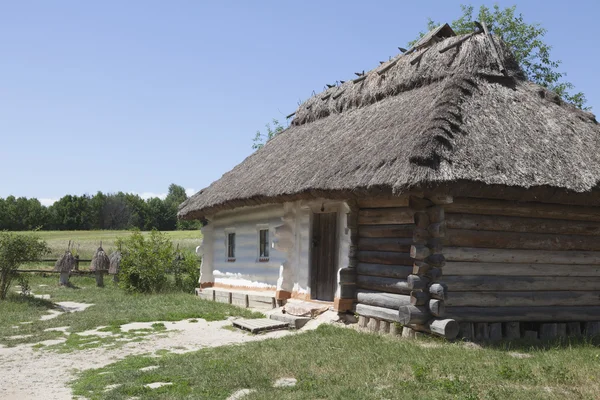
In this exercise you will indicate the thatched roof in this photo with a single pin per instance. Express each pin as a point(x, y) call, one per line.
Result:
point(66, 262)
point(115, 263)
point(431, 118)
point(100, 261)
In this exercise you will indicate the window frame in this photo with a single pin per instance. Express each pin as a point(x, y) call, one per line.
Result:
point(259, 245)
point(229, 234)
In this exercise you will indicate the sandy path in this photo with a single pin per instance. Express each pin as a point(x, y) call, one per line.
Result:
point(43, 374)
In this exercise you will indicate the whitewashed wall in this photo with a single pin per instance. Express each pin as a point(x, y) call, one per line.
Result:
point(289, 227)
point(246, 270)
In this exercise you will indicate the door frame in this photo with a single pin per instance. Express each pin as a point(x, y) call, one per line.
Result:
point(322, 207)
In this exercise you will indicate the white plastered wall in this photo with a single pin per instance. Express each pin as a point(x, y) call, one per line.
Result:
point(289, 225)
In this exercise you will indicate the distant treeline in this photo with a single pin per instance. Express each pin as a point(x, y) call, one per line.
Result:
point(102, 211)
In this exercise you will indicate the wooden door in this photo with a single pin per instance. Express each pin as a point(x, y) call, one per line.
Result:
point(324, 256)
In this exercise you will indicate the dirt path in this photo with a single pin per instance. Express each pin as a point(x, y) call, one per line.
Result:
point(44, 374)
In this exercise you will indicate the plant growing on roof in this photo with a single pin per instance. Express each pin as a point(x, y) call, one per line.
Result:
point(261, 139)
point(525, 41)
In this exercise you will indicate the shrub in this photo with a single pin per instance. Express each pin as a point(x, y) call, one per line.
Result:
point(145, 262)
point(15, 249)
point(186, 270)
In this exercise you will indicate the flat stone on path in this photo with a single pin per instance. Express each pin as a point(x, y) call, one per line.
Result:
point(240, 394)
point(285, 382)
point(156, 385)
point(111, 387)
point(57, 329)
point(149, 368)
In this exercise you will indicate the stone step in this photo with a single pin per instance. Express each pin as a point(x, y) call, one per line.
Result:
point(259, 324)
point(293, 320)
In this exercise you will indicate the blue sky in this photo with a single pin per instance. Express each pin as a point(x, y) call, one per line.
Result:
point(135, 95)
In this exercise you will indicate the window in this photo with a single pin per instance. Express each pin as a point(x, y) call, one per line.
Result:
point(231, 247)
point(263, 245)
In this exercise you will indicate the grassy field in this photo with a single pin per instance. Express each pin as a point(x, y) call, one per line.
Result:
point(112, 307)
point(86, 242)
point(338, 363)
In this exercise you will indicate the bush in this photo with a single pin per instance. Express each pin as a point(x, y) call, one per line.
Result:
point(186, 269)
point(145, 262)
point(16, 249)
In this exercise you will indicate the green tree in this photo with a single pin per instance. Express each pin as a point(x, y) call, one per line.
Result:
point(525, 41)
point(261, 139)
point(15, 249)
point(145, 261)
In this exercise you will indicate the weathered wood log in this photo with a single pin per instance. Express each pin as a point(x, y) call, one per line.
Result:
point(466, 331)
point(519, 224)
point(420, 236)
point(520, 283)
point(521, 256)
point(383, 202)
point(377, 312)
point(416, 282)
point(384, 327)
point(499, 269)
point(384, 270)
point(437, 307)
point(521, 241)
point(421, 220)
point(347, 275)
point(530, 335)
point(434, 274)
point(385, 257)
point(436, 260)
point(419, 298)
point(548, 331)
point(481, 331)
point(401, 245)
point(373, 324)
point(447, 328)
point(438, 291)
point(363, 321)
point(518, 209)
point(99, 278)
point(419, 252)
point(512, 330)
point(420, 268)
point(525, 314)
point(419, 203)
point(413, 315)
point(495, 331)
point(437, 230)
point(592, 328)
point(574, 328)
point(524, 298)
point(379, 299)
point(385, 216)
point(435, 245)
point(561, 329)
point(389, 285)
point(63, 279)
point(436, 214)
point(440, 198)
point(408, 333)
point(386, 231)
point(347, 291)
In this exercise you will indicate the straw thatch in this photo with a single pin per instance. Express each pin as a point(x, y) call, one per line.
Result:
point(115, 263)
point(100, 261)
point(66, 263)
point(445, 118)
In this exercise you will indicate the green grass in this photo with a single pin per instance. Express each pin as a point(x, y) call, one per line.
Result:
point(86, 242)
point(112, 307)
point(336, 363)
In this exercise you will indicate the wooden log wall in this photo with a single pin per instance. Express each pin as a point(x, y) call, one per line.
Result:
point(399, 258)
point(521, 262)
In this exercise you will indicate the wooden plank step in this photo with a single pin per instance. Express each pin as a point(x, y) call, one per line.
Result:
point(259, 324)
